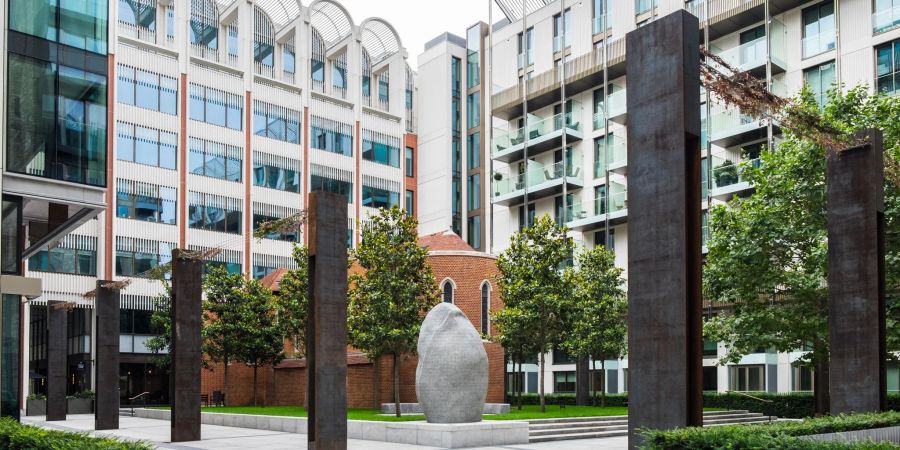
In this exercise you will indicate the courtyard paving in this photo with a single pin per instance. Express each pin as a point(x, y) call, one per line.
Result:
point(231, 438)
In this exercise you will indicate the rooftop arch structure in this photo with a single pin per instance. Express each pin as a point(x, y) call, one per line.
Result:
point(379, 38)
point(280, 12)
point(331, 20)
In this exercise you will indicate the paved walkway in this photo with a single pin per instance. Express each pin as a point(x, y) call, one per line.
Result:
point(231, 438)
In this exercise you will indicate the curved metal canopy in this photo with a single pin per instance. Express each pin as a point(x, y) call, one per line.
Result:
point(379, 38)
point(281, 12)
point(331, 20)
point(513, 9)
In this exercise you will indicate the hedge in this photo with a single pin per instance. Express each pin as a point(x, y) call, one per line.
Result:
point(15, 436)
point(786, 405)
point(781, 435)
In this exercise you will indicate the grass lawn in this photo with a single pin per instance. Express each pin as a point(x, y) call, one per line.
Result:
point(527, 412)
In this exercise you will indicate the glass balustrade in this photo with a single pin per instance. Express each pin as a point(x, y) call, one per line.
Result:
point(597, 24)
point(728, 173)
point(818, 43)
point(755, 53)
point(617, 104)
point(526, 59)
point(536, 174)
point(886, 19)
point(618, 201)
point(535, 130)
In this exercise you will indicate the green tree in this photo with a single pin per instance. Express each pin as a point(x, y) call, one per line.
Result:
point(261, 339)
point(393, 292)
point(536, 292)
point(600, 315)
point(224, 321)
point(292, 303)
point(513, 333)
point(768, 252)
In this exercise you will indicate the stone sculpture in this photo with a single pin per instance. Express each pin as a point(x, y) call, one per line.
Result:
point(451, 378)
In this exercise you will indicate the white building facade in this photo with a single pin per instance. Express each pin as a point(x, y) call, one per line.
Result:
point(554, 140)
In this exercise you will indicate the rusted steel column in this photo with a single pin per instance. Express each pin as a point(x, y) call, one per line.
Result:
point(326, 360)
point(856, 309)
point(106, 402)
point(56, 360)
point(664, 351)
point(186, 293)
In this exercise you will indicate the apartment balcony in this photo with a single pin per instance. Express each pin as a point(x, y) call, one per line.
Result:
point(752, 56)
point(728, 127)
point(728, 178)
point(317, 86)
point(138, 32)
point(539, 180)
point(886, 20)
point(339, 92)
point(594, 214)
point(616, 110)
point(543, 134)
point(819, 43)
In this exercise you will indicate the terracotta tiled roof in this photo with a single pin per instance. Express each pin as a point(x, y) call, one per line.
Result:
point(444, 241)
point(272, 281)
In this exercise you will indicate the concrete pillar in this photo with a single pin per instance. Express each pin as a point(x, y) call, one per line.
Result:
point(57, 352)
point(106, 397)
point(187, 275)
point(856, 315)
point(664, 299)
point(326, 359)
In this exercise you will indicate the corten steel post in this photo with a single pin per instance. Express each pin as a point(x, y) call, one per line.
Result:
point(856, 309)
point(664, 303)
point(56, 360)
point(326, 344)
point(186, 293)
point(106, 403)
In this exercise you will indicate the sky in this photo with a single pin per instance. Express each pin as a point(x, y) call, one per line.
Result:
point(418, 21)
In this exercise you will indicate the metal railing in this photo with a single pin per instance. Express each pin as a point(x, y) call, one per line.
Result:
point(536, 129)
point(535, 175)
point(133, 400)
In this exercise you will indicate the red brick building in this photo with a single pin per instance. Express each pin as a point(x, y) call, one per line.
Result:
point(464, 277)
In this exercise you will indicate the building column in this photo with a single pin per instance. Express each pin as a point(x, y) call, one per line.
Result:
point(106, 324)
point(56, 360)
point(185, 354)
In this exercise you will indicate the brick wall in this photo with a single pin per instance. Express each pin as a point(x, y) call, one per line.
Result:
point(286, 385)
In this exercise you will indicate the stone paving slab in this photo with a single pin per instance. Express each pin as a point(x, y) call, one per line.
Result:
point(231, 438)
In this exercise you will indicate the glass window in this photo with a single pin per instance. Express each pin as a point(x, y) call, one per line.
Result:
point(288, 59)
point(747, 378)
point(473, 110)
point(65, 139)
point(289, 236)
point(216, 107)
point(76, 23)
point(379, 198)
point(887, 67)
point(448, 292)
point(276, 122)
point(818, 29)
point(215, 160)
point(10, 231)
point(384, 88)
point(473, 151)
point(820, 80)
point(565, 381)
point(485, 306)
point(381, 152)
point(474, 191)
point(206, 213)
point(801, 379)
point(887, 15)
point(473, 227)
point(320, 183)
point(318, 70)
point(410, 203)
point(410, 163)
point(642, 6)
point(473, 56)
point(331, 141)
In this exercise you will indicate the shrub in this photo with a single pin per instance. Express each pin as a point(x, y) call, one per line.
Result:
point(87, 393)
point(36, 397)
point(15, 436)
point(782, 435)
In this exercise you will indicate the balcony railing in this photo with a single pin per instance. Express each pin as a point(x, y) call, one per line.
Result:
point(558, 43)
point(617, 151)
point(818, 43)
point(339, 92)
point(729, 173)
point(264, 69)
point(617, 104)
point(536, 129)
point(137, 31)
point(536, 174)
point(384, 104)
point(526, 59)
point(289, 77)
point(886, 20)
point(597, 207)
point(753, 54)
point(205, 52)
point(317, 86)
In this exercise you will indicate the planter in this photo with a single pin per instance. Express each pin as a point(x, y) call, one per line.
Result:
point(35, 407)
point(80, 405)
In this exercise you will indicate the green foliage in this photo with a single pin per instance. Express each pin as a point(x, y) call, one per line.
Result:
point(389, 298)
point(161, 319)
point(223, 318)
point(261, 342)
point(768, 252)
point(787, 405)
point(292, 303)
point(15, 436)
point(782, 435)
point(87, 393)
point(36, 397)
point(537, 291)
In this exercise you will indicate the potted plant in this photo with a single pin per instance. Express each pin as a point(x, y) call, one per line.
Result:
point(497, 177)
point(81, 403)
point(36, 405)
point(725, 174)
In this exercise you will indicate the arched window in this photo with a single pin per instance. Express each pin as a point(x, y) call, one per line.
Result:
point(485, 307)
point(448, 291)
point(204, 23)
point(263, 38)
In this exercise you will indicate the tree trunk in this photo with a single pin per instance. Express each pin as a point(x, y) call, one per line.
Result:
point(820, 388)
point(377, 379)
point(602, 384)
point(396, 385)
point(582, 382)
point(254, 384)
point(521, 384)
point(225, 389)
point(541, 382)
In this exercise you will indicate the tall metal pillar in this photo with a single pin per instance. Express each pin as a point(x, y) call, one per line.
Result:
point(326, 360)
point(106, 398)
point(856, 308)
point(664, 242)
point(186, 294)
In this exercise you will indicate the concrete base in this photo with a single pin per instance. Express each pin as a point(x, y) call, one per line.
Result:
point(482, 434)
point(416, 408)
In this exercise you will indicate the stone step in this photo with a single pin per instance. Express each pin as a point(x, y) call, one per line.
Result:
point(564, 425)
point(590, 435)
point(762, 420)
point(709, 414)
point(736, 420)
point(577, 430)
point(725, 412)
